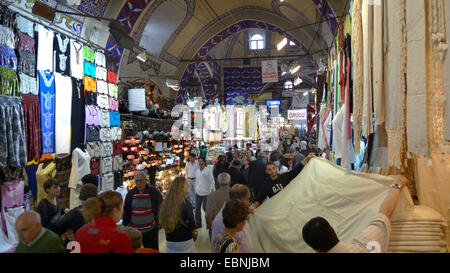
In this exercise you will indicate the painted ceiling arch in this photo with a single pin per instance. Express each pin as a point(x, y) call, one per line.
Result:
point(224, 34)
point(132, 10)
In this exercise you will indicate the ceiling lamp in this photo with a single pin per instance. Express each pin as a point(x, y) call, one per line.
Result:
point(142, 57)
point(295, 68)
point(173, 84)
point(297, 81)
point(282, 44)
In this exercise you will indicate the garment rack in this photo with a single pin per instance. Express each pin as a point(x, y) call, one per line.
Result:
point(60, 30)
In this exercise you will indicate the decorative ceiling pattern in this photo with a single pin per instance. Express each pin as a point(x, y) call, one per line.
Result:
point(93, 7)
point(240, 83)
point(327, 13)
point(235, 28)
point(128, 16)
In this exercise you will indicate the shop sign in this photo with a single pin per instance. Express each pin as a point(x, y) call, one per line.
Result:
point(299, 114)
point(254, 96)
point(136, 100)
point(269, 71)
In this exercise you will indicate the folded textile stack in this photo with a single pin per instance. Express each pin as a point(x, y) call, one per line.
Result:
point(422, 230)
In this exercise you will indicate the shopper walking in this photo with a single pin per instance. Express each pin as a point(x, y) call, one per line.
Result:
point(49, 208)
point(235, 215)
point(177, 218)
point(220, 167)
point(203, 151)
point(141, 210)
point(204, 184)
point(245, 168)
point(321, 237)
point(74, 219)
point(303, 146)
point(294, 146)
point(275, 183)
point(101, 235)
point(191, 170)
point(229, 155)
point(298, 157)
point(243, 238)
point(235, 172)
point(216, 199)
point(34, 238)
point(257, 174)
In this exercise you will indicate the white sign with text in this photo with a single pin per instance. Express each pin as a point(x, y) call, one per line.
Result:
point(299, 114)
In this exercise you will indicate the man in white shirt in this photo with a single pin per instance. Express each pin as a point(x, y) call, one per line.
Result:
point(321, 237)
point(204, 184)
point(191, 169)
point(303, 146)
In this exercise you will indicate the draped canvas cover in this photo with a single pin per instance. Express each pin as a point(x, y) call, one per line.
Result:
point(348, 200)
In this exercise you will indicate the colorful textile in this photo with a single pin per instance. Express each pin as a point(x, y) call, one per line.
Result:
point(32, 118)
point(9, 83)
point(13, 150)
point(47, 93)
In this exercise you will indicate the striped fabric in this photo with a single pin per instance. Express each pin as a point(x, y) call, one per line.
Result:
point(142, 216)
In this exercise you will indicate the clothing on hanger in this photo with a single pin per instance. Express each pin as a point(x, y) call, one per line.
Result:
point(45, 49)
point(76, 60)
point(32, 119)
point(47, 95)
point(80, 167)
point(63, 112)
point(45, 171)
point(78, 113)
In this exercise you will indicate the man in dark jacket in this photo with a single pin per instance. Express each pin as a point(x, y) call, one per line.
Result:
point(275, 183)
point(141, 210)
point(257, 174)
point(229, 155)
point(235, 172)
point(74, 219)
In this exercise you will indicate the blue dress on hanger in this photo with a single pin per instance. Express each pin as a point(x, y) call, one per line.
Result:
point(47, 99)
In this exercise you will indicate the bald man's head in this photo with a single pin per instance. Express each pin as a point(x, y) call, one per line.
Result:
point(28, 226)
point(241, 192)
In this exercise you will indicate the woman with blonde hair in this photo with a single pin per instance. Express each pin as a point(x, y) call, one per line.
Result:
point(101, 234)
point(176, 217)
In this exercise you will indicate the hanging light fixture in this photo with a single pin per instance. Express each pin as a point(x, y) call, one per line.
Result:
point(142, 57)
point(296, 67)
point(297, 81)
point(282, 44)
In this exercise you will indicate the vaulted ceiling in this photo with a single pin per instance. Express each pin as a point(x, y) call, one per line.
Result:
point(175, 32)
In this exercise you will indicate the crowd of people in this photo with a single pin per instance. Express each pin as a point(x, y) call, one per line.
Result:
point(238, 183)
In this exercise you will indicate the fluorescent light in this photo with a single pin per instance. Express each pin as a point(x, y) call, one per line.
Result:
point(173, 84)
point(284, 73)
point(295, 68)
point(282, 44)
point(142, 57)
point(297, 81)
point(305, 94)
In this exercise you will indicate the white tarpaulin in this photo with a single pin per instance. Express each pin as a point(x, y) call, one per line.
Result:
point(348, 200)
